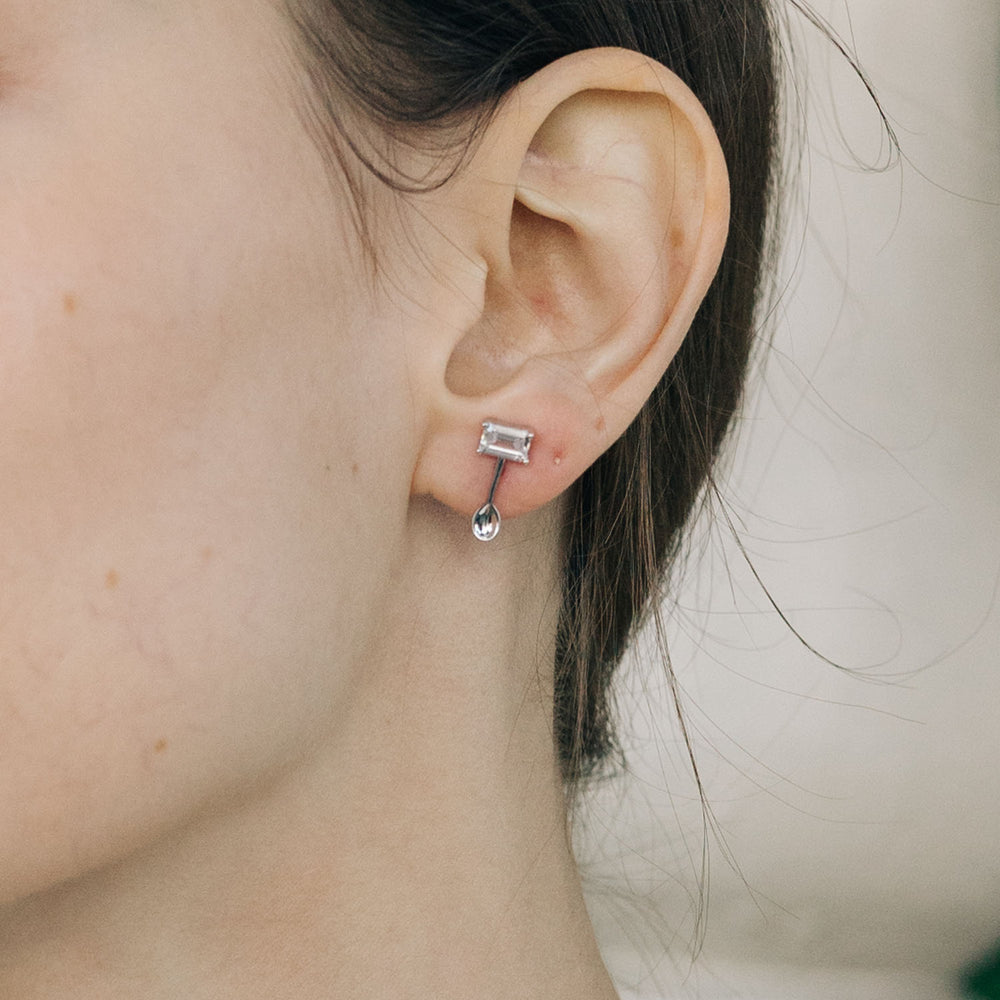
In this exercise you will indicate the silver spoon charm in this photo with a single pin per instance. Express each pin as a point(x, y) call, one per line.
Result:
point(504, 444)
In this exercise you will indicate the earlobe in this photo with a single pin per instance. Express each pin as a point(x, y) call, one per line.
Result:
point(602, 210)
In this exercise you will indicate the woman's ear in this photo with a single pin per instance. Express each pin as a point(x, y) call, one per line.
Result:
point(596, 209)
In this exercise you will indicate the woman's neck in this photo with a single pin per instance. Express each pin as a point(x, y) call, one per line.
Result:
point(421, 850)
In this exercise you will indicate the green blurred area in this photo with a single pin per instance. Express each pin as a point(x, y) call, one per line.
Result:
point(982, 981)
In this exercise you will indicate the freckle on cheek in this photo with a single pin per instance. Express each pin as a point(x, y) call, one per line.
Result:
point(354, 469)
point(111, 580)
point(69, 303)
point(160, 746)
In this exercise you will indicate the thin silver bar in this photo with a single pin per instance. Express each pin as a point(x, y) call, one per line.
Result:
point(496, 478)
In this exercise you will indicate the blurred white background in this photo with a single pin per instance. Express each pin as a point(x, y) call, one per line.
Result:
point(857, 850)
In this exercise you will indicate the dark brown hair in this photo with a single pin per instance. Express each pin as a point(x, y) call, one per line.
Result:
point(424, 67)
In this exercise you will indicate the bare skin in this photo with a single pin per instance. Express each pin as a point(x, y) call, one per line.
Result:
point(389, 862)
point(272, 722)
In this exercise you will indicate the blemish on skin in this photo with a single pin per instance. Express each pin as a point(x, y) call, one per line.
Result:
point(207, 554)
point(354, 468)
point(557, 460)
point(160, 746)
point(600, 425)
point(69, 303)
point(111, 580)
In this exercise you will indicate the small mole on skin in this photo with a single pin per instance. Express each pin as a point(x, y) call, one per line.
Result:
point(69, 303)
point(207, 553)
point(111, 580)
point(354, 469)
point(160, 746)
point(599, 424)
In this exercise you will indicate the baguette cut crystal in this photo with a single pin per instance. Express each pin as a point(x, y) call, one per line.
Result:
point(501, 441)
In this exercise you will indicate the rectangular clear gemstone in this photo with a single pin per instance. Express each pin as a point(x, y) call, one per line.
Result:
point(500, 441)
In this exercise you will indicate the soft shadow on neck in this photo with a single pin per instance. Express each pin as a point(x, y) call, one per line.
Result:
point(419, 849)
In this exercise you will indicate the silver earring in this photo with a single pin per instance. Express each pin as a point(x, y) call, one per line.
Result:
point(505, 444)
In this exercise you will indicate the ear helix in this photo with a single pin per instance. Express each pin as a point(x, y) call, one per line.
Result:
point(505, 444)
